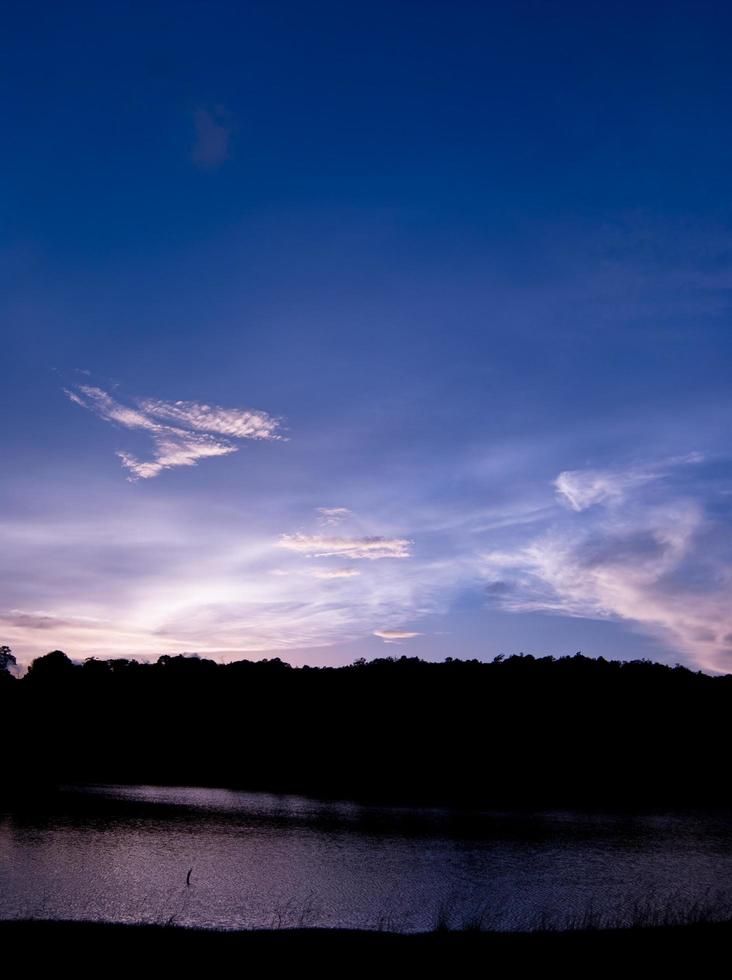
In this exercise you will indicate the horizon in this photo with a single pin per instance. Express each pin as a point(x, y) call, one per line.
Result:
point(20, 670)
point(347, 333)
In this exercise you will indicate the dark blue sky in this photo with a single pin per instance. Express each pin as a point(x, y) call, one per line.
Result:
point(442, 290)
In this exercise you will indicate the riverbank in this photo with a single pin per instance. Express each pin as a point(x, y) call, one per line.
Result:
point(85, 946)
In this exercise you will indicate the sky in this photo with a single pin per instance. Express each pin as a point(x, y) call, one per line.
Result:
point(371, 329)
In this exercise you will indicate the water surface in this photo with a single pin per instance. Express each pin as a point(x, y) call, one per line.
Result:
point(122, 853)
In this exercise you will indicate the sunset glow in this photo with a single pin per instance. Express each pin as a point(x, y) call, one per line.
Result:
point(432, 358)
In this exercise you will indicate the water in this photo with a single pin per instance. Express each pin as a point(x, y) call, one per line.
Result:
point(122, 854)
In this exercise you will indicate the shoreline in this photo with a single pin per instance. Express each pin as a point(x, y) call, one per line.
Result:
point(89, 943)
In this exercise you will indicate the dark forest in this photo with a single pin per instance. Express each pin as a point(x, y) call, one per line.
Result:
point(519, 731)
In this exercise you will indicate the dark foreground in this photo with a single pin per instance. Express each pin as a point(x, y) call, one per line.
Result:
point(572, 732)
point(83, 946)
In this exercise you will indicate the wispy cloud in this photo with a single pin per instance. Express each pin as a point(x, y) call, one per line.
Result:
point(174, 448)
point(656, 560)
point(319, 546)
point(315, 572)
point(166, 577)
point(214, 127)
point(103, 405)
point(646, 545)
point(195, 436)
point(236, 423)
point(580, 489)
point(326, 573)
point(42, 620)
point(332, 516)
point(394, 636)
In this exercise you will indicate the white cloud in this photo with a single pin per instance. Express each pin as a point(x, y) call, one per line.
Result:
point(237, 423)
point(176, 445)
point(581, 489)
point(653, 560)
point(166, 576)
point(319, 546)
point(103, 405)
point(390, 636)
point(321, 573)
point(327, 573)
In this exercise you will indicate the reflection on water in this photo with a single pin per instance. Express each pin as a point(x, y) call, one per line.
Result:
point(123, 853)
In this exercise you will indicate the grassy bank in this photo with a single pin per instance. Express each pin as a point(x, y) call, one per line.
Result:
point(94, 946)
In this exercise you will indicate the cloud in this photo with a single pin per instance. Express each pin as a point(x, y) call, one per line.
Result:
point(580, 489)
point(214, 128)
point(174, 448)
point(41, 620)
point(236, 423)
point(657, 560)
point(321, 573)
point(391, 636)
point(103, 405)
point(318, 546)
point(176, 445)
point(326, 573)
point(332, 516)
point(168, 576)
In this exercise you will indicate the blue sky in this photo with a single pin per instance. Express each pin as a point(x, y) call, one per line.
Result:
point(349, 330)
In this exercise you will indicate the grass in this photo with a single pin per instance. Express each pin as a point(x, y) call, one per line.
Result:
point(648, 934)
point(651, 913)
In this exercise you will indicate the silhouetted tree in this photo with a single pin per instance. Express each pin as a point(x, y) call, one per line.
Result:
point(520, 730)
point(7, 660)
point(54, 666)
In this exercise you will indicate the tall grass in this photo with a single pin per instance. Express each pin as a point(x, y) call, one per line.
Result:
point(647, 914)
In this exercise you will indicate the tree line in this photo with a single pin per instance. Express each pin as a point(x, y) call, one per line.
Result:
point(515, 731)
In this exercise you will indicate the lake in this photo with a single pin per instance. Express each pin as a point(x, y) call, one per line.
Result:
point(123, 854)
